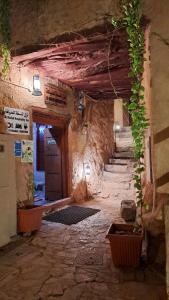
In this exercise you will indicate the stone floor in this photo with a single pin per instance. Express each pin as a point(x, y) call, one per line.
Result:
point(74, 263)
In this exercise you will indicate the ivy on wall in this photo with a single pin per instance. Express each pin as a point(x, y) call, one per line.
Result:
point(131, 20)
point(5, 35)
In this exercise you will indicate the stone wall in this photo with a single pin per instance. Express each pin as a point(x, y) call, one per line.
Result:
point(91, 147)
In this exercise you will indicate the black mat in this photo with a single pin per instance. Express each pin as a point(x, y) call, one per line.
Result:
point(71, 215)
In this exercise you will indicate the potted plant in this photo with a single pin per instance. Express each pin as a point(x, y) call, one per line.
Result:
point(29, 216)
point(125, 239)
point(125, 242)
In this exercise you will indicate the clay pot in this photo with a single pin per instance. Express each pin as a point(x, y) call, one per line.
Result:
point(128, 210)
point(29, 218)
point(125, 245)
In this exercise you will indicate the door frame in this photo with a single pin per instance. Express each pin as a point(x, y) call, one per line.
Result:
point(47, 117)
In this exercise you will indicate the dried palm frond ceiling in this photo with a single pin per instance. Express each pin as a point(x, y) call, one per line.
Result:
point(95, 61)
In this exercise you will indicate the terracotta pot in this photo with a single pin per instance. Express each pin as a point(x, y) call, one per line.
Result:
point(125, 245)
point(29, 218)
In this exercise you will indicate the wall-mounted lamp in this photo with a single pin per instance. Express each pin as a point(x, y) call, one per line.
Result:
point(87, 170)
point(81, 101)
point(36, 86)
point(116, 127)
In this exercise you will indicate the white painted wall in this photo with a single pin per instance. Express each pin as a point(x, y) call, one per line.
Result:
point(8, 218)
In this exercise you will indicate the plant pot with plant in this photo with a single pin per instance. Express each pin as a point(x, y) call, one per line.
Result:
point(126, 243)
point(29, 216)
point(125, 239)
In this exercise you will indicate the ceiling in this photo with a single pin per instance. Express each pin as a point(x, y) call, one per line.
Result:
point(96, 63)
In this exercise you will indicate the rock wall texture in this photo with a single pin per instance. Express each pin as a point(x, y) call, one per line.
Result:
point(91, 146)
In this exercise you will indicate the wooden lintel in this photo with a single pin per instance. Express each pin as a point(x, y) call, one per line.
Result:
point(46, 116)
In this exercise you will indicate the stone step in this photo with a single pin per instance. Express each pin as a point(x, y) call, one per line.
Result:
point(124, 134)
point(124, 138)
point(125, 129)
point(124, 154)
point(116, 187)
point(120, 147)
point(117, 177)
point(124, 149)
point(116, 168)
point(119, 161)
point(124, 141)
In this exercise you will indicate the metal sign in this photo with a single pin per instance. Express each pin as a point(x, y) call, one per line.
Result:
point(17, 120)
point(51, 141)
point(18, 148)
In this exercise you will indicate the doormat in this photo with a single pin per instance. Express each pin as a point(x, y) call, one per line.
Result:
point(71, 215)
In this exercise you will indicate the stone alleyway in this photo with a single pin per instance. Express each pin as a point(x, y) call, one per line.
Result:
point(74, 262)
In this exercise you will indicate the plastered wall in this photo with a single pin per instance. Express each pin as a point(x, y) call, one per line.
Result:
point(157, 13)
point(18, 94)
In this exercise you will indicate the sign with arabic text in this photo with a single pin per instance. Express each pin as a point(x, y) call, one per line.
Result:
point(17, 120)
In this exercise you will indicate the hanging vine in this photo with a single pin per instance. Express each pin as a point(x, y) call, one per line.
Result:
point(131, 20)
point(5, 35)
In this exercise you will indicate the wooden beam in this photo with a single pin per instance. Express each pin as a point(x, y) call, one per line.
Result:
point(101, 29)
point(45, 116)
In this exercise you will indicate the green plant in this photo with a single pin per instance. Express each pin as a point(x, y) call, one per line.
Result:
point(131, 20)
point(5, 35)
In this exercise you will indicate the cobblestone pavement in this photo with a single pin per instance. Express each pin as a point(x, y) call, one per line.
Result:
point(73, 262)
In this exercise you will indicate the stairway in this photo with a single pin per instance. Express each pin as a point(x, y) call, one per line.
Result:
point(117, 175)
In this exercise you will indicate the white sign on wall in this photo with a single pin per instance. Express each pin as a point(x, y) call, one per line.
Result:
point(17, 120)
point(27, 151)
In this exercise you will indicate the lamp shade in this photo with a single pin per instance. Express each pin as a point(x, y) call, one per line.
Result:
point(36, 86)
point(87, 169)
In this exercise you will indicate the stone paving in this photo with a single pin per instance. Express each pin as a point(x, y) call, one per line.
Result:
point(74, 263)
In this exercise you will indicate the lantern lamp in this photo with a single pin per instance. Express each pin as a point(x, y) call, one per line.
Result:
point(116, 127)
point(87, 170)
point(36, 86)
point(81, 105)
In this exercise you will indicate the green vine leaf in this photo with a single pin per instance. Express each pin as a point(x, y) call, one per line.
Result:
point(5, 34)
point(131, 20)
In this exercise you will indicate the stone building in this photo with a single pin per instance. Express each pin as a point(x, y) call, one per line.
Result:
point(82, 66)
